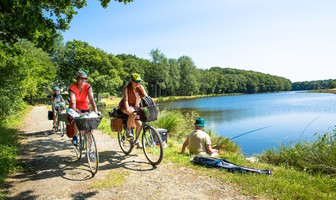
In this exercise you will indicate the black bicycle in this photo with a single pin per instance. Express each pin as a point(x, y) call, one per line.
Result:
point(151, 139)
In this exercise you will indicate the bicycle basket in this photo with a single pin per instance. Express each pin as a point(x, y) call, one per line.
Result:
point(88, 123)
point(63, 117)
point(148, 114)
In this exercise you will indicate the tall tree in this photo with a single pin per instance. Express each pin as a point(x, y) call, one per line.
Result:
point(38, 20)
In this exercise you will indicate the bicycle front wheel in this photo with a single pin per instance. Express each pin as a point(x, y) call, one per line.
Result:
point(92, 152)
point(152, 145)
point(63, 128)
point(125, 144)
point(80, 144)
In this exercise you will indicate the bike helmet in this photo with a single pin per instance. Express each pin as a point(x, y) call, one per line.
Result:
point(80, 72)
point(56, 88)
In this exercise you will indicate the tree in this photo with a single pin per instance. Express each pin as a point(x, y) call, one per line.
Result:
point(24, 71)
point(188, 82)
point(102, 75)
point(38, 20)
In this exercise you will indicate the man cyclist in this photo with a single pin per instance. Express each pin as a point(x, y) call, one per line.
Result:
point(80, 94)
point(132, 94)
point(56, 97)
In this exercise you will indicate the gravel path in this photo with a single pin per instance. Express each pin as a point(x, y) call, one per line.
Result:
point(53, 172)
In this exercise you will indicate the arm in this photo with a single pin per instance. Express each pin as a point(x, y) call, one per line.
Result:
point(210, 150)
point(72, 100)
point(185, 144)
point(91, 99)
point(125, 99)
point(61, 98)
point(144, 90)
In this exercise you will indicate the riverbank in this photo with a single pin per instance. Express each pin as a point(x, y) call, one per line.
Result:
point(286, 182)
point(333, 91)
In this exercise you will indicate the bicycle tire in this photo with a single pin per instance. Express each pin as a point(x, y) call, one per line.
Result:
point(79, 146)
point(152, 145)
point(92, 152)
point(125, 145)
point(63, 128)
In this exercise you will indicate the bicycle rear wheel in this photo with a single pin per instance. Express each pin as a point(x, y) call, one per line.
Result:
point(92, 152)
point(152, 145)
point(125, 144)
point(80, 145)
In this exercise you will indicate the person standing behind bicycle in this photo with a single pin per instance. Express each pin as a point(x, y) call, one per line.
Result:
point(132, 94)
point(56, 97)
point(80, 94)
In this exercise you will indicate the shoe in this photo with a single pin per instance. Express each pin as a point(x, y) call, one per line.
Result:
point(139, 145)
point(74, 140)
point(129, 135)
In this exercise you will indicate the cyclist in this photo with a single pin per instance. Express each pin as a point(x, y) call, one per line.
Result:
point(56, 97)
point(80, 94)
point(132, 94)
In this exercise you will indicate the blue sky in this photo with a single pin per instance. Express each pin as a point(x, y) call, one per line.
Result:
point(295, 39)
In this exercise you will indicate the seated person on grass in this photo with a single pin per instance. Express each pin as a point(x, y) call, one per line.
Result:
point(199, 141)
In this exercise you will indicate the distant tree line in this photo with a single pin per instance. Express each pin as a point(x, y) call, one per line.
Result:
point(314, 85)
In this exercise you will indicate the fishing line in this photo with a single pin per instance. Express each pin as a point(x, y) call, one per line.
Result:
point(307, 126)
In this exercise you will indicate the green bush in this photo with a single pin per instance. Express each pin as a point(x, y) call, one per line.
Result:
point(173, 121)
point(315, 157)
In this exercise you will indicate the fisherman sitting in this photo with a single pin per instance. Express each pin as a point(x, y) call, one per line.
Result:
point(199, 141)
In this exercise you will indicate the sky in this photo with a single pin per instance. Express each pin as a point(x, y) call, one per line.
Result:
point(295, 39)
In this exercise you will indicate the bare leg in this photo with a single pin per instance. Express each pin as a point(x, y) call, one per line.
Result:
point(138, 126)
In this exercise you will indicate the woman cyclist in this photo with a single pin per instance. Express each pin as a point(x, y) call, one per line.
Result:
point(132, 94)
point(80, 94)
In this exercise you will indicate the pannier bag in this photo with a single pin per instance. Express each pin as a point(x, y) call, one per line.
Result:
point(70, 128)
point(116, 125)
point(50, 115)
point(224, 164)
point(148, 111)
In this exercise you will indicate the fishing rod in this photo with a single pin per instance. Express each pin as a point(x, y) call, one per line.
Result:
point(250, 132)
point(244, 134)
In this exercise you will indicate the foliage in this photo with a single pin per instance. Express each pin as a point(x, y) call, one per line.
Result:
point(38, 20)
point(25, 70)
point(102, 75)
point(315, 85)
point(315, 157)
point(9, 144)
point(173, 121)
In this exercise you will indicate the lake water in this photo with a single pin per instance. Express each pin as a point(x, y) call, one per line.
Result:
point(269, 119)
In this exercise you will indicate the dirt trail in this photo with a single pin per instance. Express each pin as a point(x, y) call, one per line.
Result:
point(54, 172)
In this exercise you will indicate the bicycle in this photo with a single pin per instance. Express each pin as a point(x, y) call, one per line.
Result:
point(60, 119)
point(151, 139)
point(86, 140)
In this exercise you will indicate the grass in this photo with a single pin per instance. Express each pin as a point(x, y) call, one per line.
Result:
point(284, 183)
point(9, 145)
point(315, 157)
point(113, 179)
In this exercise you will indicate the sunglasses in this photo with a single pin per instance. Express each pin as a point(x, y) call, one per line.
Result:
point(82, 78)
